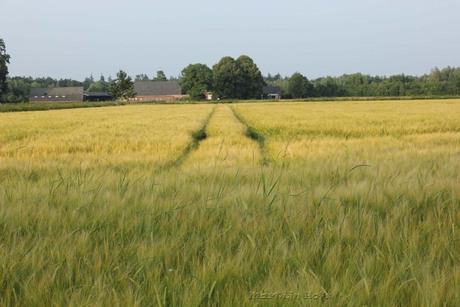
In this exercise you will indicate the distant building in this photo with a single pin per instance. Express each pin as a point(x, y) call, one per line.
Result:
point(97, 96)
point(157, 90)
point(271, 92)
point(208, 95)
point(56, 94)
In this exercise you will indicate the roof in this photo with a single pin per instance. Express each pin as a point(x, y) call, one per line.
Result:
point(56, 93)
point(157, 88)
point(271, 90)
point(97, 94)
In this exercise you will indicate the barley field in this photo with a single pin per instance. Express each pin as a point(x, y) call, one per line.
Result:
point(247, 204)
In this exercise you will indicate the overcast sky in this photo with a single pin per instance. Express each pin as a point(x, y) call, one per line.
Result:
point(74, 39)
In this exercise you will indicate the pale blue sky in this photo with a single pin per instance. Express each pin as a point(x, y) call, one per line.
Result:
point(73, 39)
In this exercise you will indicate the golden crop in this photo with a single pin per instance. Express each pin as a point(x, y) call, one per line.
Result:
point(129, 134)
point(336, 203)
point(226, 144)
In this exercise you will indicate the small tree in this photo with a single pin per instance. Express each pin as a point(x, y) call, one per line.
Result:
point(161, 76)
point(4, 60)
point(88, 81)
point(141, 77)
point(122, 87)
point(96, 87)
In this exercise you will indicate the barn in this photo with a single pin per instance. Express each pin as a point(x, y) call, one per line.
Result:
point(56, 94)
point(97, 96)
point(157, 90)
point(272, 92)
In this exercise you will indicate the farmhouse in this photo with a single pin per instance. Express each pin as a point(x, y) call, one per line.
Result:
point(157, 90)
point(271, 92)
point(57, 94)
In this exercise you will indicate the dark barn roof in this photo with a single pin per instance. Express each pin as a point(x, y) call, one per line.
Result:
point(272, 90)
point(56, 94)
point(97, 96)
point(156, 88)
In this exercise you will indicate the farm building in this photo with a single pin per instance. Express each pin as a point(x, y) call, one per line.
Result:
point(157, 90)
point(208, 95)
point(271, 92)
point(97, 96)
point(57, 94)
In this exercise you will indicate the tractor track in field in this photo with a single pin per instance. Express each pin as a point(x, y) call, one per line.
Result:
point(252, 134)
point(197, 137)
point(201, 134)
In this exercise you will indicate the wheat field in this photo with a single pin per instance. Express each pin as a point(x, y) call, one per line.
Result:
point(292, 204)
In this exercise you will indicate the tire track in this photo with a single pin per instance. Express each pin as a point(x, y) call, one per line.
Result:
point(197, 137)
point(227, 143)
point(253, 134)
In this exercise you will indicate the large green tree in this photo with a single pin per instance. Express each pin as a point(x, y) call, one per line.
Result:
point(122, 87)
point(296, 85)
point(228, 79)
point(196, 79)
point(4, 60)
point(253, 81)
point(240, 79)
point(299, 86)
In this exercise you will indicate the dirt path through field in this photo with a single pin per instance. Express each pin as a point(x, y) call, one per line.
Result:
point(226, 143)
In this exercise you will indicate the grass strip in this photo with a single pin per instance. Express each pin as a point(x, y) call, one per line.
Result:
point(25, 107)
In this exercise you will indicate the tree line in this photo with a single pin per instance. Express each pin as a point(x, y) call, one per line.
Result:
point(241, 79)
point(439, 82)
